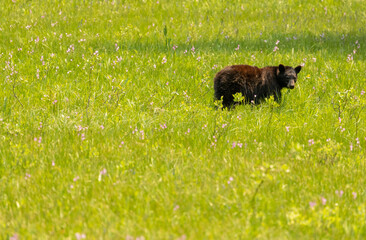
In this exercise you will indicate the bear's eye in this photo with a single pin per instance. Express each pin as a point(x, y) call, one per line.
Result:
point(288, 79)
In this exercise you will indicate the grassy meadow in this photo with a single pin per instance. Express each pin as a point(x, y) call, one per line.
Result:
point(109, 128)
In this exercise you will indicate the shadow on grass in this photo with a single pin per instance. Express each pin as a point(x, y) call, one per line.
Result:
point(332, 43)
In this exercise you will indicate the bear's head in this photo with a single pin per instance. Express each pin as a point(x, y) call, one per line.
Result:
point(287, 76)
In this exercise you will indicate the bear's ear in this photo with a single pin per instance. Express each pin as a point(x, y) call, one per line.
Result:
point(281, 68)
point(297, 69)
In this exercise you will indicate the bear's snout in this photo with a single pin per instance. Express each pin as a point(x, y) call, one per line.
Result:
point(291, 84)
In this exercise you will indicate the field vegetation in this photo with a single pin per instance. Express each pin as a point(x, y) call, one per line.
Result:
point(109, 128)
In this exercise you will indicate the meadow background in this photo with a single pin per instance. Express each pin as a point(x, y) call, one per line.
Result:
point(109, 129)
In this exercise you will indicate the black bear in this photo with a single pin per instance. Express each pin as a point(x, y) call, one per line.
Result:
point(253, 83)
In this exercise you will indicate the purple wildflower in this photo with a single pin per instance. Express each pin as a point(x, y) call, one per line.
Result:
point(354, 194)
point(80, 236)
point(14, 237)
point(339, 193)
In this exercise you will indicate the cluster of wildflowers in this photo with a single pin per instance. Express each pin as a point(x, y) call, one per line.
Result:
point(80, 236)
point(237, 144)
point(42, 60)
point(14, 237)
point(164, 60)
point(312, 204)
point(354, 195)
point(103, 172)
point(303, 63)
point(183, 237)
point(230, 180)
point(27, 176)
point(357, 144)
point(324, 201)
point(141, 133)
point(119, 59)
point(213, 144)
point(80, 133)
point(39, 140)
point(341, 127)
point(163, 126)
point(276, 48)
point(188, 131)
point(351, 55)
point(289, 38)
point(70, 49)
point(339, 193)
point(185, 94)
point(10, 67)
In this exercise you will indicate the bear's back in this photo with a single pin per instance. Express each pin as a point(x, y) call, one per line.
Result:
point(245, 71)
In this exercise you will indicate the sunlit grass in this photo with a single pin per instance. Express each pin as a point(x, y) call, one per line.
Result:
point(109, 130)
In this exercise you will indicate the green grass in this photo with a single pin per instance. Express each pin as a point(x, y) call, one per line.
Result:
point(107, 130)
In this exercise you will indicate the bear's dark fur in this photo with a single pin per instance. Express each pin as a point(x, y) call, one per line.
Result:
point(253, 83)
